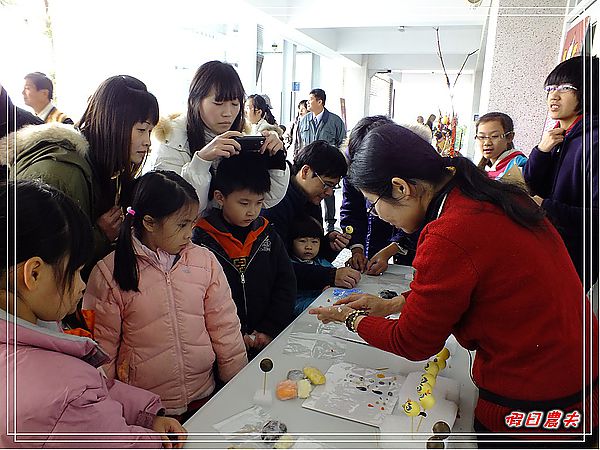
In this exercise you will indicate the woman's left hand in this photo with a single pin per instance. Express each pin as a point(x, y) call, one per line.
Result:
point(328, 314)
point(272, 142)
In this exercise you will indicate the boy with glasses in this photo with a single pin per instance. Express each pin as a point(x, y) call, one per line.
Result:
point(562, 170)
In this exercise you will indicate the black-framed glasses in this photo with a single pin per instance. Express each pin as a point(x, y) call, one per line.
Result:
point(327, 185)
point(371, 209)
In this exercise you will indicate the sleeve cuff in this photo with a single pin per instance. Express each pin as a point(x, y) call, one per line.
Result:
point(332, 277)
point(198, 164)
point(146, 419)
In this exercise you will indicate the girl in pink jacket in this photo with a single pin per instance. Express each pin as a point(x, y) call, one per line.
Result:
point(162, 306)
point(53, 395)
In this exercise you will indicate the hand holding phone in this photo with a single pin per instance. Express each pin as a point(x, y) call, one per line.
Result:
point(250, 143)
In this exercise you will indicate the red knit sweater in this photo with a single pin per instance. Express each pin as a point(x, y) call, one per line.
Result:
point(509, 293)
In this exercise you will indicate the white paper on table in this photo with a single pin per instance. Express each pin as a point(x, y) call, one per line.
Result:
point(357, 393)
point(317, 346)
point(248, 424)
point(347, 335)
point(250, 420)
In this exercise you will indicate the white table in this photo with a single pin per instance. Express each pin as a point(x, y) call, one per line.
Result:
point(330, 431)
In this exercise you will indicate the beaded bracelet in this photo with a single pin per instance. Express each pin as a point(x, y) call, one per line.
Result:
point(351, 319)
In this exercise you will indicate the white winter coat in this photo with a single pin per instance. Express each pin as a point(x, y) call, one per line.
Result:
point(174, 154)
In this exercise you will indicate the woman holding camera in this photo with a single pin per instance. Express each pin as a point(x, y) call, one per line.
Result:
point(192, 144)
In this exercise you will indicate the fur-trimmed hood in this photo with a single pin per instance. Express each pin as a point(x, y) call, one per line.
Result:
point(27, 139)
point(164, 128)
point(172, 130)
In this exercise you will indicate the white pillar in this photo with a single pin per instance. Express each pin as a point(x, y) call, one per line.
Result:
point(246, 54)
point(289, 73)
point(522, 48)
point(315, 80)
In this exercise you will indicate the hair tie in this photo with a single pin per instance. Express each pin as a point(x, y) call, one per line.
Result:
point(130, 211)
point(449, 165)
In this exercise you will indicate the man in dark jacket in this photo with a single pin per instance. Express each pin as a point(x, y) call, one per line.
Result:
point(251, 253)
point(562, 170)
point(316, 173)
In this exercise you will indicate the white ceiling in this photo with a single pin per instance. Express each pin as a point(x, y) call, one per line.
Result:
point(369, 31)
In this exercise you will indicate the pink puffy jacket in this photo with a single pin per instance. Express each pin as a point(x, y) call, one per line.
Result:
point(165, 338)
point(59, 390)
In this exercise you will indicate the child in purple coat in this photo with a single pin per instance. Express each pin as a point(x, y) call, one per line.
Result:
point(60, 398)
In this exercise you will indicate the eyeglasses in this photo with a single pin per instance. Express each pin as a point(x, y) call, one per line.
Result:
point(493, 137)
point(327, 185)
point(561, 88)
point(371, 209)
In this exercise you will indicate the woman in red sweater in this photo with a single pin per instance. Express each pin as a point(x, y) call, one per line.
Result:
point(520, 305)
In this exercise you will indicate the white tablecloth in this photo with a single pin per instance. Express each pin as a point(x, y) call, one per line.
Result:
point(328, 430)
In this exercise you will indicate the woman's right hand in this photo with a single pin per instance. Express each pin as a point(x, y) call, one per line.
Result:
point(222, 146)
point(376, 306)
point(110, 223)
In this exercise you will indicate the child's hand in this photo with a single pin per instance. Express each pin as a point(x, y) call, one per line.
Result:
point(249, 340)
point(170, 425)
point(257, 340)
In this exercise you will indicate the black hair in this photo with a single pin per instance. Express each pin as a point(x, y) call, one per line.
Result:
point(306, 226)
point(248, 170)
point(573, 71)
point(507, 125)
point(303, 103)
point(41, 81)
point(361, 129)
point(392, 151)
point(225, 81)
point(117, 105)
point(321, 157)
point(157, 194)
point(319, 94)
point(260, 104)
point(39, 220)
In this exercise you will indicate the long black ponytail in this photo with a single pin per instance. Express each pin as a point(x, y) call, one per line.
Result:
point(260, 104)
point(391, 150)
point(157, 194)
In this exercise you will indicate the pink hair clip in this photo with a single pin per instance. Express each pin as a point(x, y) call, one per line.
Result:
point(130, 211)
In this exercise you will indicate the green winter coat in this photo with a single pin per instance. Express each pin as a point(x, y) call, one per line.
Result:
point(55, 153)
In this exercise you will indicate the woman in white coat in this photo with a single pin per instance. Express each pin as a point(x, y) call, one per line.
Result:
point(193, 143)
point(260, 116)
